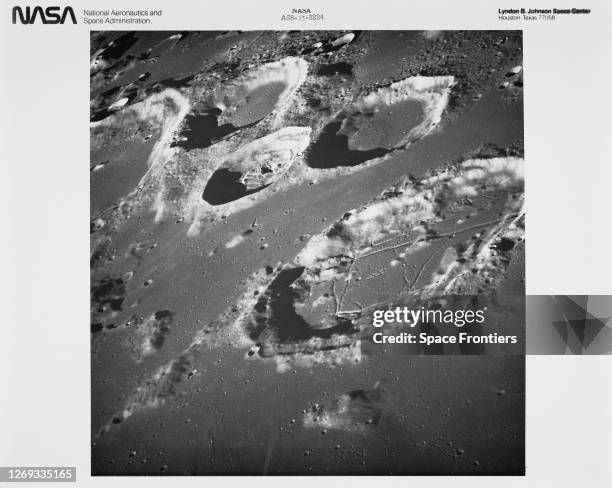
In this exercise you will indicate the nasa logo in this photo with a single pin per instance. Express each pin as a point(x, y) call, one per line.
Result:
point(50, 15)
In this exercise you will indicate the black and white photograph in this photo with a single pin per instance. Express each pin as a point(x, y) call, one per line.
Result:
point(259, 200)
point(329, 242)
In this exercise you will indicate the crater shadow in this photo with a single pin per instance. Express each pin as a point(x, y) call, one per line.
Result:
point(331, 150)
point(224, 187)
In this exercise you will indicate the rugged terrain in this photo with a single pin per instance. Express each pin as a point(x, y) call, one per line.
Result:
point(254, 197)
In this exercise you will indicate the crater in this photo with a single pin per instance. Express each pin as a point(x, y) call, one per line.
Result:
point(225, 186)
point(262, 91)
point(332, 150)
point(201, 130)
point(356, 411)
point(256, 165)
point(276, 321)
point(118, 47)
point(381, 122)
point(258, 103)
point(387, 126)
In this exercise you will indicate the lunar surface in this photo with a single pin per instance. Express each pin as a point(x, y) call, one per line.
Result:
point(255, 198)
